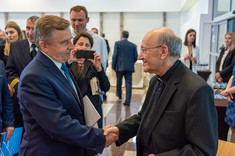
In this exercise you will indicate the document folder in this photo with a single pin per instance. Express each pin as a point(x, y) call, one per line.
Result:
point(90, 113)
point(12, 146)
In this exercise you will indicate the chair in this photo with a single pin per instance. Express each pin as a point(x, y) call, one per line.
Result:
point(225, 148)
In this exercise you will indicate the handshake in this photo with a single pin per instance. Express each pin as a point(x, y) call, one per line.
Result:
point(111, 134)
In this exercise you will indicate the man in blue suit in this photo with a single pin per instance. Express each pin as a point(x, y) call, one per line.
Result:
point(19, 58)
point(6, 107)
point(123, 60)
point(50, 99)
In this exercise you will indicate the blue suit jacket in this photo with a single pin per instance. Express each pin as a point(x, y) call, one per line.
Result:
point(6, 107)
point(124, 56)
point(53, 113)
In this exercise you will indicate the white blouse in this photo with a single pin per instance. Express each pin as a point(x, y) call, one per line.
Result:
point(195, 53)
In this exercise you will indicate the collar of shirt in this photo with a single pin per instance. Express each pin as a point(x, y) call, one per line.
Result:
point(168, 74)
point(30, 48)
point(58, 65)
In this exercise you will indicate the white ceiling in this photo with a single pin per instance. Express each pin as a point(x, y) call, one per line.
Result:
point(96, 5)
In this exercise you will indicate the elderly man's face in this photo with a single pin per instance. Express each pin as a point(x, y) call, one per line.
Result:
point(59, 49)
point(151, 54)
point(79, 21)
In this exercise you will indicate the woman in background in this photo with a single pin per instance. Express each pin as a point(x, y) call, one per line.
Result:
point(229, 92)
point(13, 33)
point(189, 51)
point(88, 71)
point(226, 60)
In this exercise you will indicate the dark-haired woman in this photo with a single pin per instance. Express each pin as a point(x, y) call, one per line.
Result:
point(89, 74)
point(189, 51)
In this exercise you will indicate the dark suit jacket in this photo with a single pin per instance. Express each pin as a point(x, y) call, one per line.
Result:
point(6, 107)
point(18, 59)
point(185, 121)
point(124, 56)
point(53, 113)
point(228, 65)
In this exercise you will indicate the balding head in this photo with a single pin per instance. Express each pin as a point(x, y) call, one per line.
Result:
point(160, 49)
point(164, 36)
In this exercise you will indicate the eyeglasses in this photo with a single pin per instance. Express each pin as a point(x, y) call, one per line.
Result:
point(143, 50)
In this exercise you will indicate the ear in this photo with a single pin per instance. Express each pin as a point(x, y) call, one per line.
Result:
point(164, 51)
point(43, 46)
point(88, 19)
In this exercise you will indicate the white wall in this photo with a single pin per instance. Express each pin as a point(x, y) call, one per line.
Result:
point(138, 24)
point(111, 28)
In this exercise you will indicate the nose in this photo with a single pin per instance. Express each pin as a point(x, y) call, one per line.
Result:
point(140, 57)
point(76, 22)
point(71, 46)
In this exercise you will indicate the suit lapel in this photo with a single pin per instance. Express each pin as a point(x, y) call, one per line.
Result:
point(25, 51)
point(52, 68)
point(168, 91)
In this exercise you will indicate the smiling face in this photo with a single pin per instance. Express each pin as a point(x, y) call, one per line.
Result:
point(79, 21)
point(30, 31)
point(151, 57)
point(12, 34)
point(60, 47)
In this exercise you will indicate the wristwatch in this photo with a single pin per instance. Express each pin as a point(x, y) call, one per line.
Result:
point(226, 92)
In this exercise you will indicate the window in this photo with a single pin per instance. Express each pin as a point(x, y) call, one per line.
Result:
point(221, 7)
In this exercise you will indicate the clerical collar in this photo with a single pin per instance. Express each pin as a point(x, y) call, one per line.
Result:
point(164, 78)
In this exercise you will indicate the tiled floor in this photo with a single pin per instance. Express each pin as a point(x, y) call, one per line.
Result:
point(115, 111)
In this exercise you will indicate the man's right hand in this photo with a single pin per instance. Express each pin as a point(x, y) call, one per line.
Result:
point(111, 134)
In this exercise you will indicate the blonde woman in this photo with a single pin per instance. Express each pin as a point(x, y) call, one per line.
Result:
point(226, 60)
point(13, 33)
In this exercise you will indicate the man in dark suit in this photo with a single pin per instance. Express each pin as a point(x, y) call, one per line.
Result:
point(19, 57)
point(6, 112)
point(178, 116)
point(50, 99)
point(123, 61)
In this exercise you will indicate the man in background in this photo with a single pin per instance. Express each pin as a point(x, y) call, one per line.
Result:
point(123, 61)
point(2, 35)
point(21, 53)
point(79, 19)
point(178, 116)
point(50, 99)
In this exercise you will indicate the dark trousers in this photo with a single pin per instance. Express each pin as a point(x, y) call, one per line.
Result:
point(128, 80)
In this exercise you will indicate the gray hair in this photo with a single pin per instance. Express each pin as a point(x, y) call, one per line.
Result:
point(173, 43)
point(46, 26)
point(33, 18)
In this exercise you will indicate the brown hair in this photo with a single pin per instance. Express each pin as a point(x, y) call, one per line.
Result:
point(46, 26)
point(186, 41)
point(78, 8)
point(12, 24)
point(83, 34)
